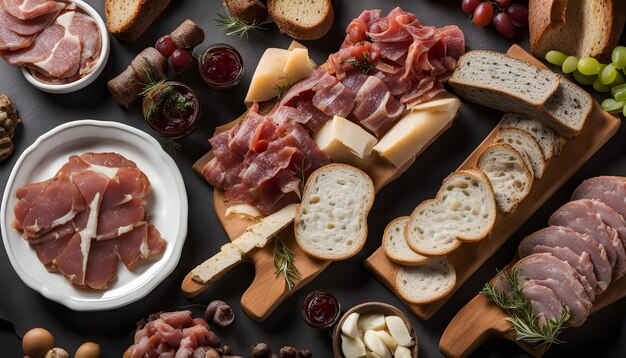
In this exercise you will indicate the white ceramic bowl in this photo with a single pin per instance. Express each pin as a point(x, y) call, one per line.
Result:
point(91, 76)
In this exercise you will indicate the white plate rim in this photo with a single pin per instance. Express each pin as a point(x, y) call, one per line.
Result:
point(153, 281)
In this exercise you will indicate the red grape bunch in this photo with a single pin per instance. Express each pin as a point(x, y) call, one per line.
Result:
point(181, 59)
point(504, 14)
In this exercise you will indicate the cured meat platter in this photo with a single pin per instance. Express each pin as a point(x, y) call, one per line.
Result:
point(597, 131)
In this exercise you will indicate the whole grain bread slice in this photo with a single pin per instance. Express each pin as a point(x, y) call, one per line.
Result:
point(331, 221)
point(568, 108)
point(547, 137)
point(129, 19)
point(425, 283)
point(395, 245)
point(302, 19)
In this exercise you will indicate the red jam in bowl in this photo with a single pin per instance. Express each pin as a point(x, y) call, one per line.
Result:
point(320, 309)
point(221, 66)
point(172, 111)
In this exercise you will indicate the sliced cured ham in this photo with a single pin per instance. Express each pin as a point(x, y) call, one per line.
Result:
point(558, 236)
point(25, 27)
point(101, 264)
point(376, 109)
point(336, 99)
point(546, 305)
point(28, 9)
point(607, 189)
point(580, 217)
point(610, 218)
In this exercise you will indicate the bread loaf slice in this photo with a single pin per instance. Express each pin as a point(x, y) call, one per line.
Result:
point(395, 245)
point(129, 19)
point(547, 138)
point(508, 174)
point(463, 210)
point(302, 19)
point(331, 221)
point(425, 283)
point(527, 146)
point(504, 83)
point(544, 16)
point(568, 108)
point(250, 11)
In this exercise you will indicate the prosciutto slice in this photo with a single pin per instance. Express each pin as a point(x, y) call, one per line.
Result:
point(10, 40)
point(28, 9)
point(25, 27)
point(376, 109)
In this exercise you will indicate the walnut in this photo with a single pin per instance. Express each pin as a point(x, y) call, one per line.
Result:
point(8, 122)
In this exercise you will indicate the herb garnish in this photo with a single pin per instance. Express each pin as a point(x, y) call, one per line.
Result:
point(363, 64)
point(233, 26)
point(284, 261)
point(171, 144)
point(281, 89)
point(522, 318)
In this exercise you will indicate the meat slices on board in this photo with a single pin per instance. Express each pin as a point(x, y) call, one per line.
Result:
point(28, 9)
point(25, 27)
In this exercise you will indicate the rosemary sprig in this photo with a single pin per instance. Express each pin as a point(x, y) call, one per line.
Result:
point(281, 89)
point(171, 144)
point(284, 261)
point(363, 64)
point(522, 317)
point(233, 26)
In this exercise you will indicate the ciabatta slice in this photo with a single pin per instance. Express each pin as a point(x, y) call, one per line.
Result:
point(463, 210)
point(425, 283)
point(396, 247)
point(527, 146)
point(331, 221)
point(507, 172)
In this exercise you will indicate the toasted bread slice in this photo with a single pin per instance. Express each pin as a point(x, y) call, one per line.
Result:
point(302, 19)
point(129, 19)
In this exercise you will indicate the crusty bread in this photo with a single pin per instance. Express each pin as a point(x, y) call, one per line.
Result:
point(129, 19)
point(547, 138)
point(302, 19)
point(463, 210)
point(395, 245)
point(255, 236)
point(331, 220)
point(525, 144)
point(510, 178)
point(249, 11)
point(583, 28)
point(425, 283)
point(501, 82)
point(568, 108)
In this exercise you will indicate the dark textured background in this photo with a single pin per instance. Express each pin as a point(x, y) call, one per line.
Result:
point(603, 335)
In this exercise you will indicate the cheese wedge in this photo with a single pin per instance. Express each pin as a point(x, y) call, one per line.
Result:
point(411, 134)
point(298, 65)
point(444, 101)
point(345, 142)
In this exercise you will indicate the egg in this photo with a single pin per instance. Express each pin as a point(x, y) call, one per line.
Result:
point(88, 350)
point(37, 342)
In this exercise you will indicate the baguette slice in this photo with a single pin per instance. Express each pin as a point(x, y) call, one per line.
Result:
point(568, 108)
point(425, 283)
point(527, 146)
point(396, 247)
point(510, 178)
point(129, 19)
point(331, 221)
point(501, 82)
point(547, 138)
point(302, 19)
point(463, 210)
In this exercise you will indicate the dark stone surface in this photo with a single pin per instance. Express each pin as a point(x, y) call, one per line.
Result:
point(604, 334)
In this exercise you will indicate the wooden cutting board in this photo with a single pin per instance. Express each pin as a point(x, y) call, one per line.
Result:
point(598, 129)
point(481, 320)
point(267, 291)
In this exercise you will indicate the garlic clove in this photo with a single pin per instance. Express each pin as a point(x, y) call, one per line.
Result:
point(349, 327)
point(399, 331)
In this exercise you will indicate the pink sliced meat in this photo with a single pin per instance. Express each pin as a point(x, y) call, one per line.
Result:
point(108, 159)
point(335, 100)
point(11, 41)
point(229, 161)
point(29, 9)
point(580, 217)
point(376, 109)
point(544, 301)
point(177, 319)
point(268, 164)
point(133, 182)
point(607, 189)
point(610, 218)
point(48, 251)
point(559, 236)
point(287, 114)
point(318, 118)
point(101, 264)
point(315, 158)
point(391, 30)
point(168, 334)
point(302, 87)
point(354, 80)
point(91, 184)
point(25, 27)
point(86, 29)
point(27, 196)
point(72, 262)
point(141, 243)
point(217, 175)
point(242, 137)
point(114, 221)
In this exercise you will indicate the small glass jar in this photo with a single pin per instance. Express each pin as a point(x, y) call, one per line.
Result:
point(221, 66)
point(320, 309)
point(170, 122)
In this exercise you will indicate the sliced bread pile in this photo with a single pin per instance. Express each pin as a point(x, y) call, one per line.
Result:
point(504, 83)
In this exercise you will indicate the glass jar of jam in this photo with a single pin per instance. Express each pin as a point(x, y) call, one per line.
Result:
point(172, 109)
point(221, 66)
point(320, 309)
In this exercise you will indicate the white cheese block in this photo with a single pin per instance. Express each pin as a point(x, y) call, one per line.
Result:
point(298, 65)
point(349, 327)
point(399, 331)
point(345, 142)
point(372, 321)
point(411, 134)
point(352, 347)
point(375, 344)
point(268, 74)
point(444, 101)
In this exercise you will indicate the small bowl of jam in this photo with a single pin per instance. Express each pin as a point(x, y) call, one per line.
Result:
point(221, 66)
point(320, 309)
point(172, 109)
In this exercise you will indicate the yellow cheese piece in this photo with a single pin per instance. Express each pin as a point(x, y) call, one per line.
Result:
point(444, 101)
point(298, 65)
point(411, 134)
point(243, 210)
point(345, 142)
point(268, 74)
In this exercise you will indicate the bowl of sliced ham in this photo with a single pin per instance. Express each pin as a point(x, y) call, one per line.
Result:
point(61, 46)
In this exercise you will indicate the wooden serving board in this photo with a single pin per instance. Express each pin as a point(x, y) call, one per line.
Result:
point(267, 291)
point(481, 320)
point(598, 129)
